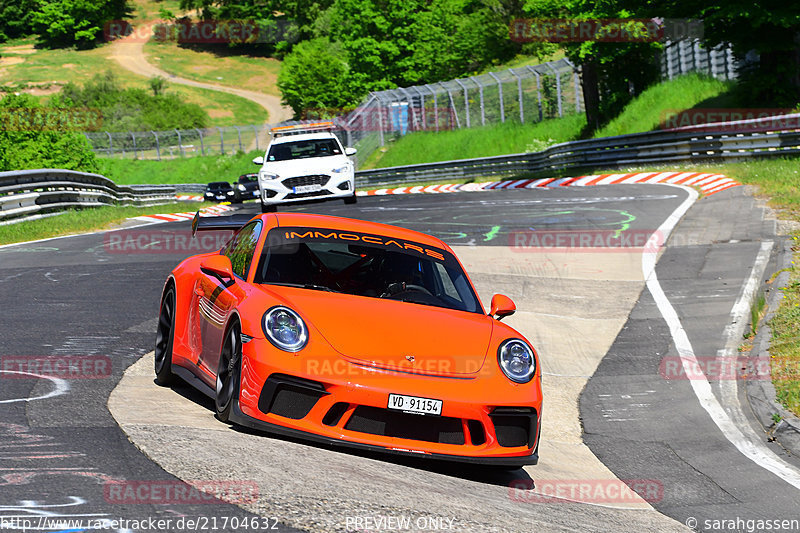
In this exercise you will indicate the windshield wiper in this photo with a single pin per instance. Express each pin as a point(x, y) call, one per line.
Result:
point(304, 286)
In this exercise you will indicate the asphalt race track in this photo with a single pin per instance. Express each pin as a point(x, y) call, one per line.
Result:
point(599, 325)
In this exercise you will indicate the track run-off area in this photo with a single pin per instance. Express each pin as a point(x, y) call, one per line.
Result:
point(632, 440)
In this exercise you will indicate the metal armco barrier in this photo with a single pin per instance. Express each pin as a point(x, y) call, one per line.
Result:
point(660, 147)
point(29, 194)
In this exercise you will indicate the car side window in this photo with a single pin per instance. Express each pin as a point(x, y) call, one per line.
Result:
point(241, 249)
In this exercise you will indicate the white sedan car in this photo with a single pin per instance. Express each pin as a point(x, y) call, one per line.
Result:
point(300, 167)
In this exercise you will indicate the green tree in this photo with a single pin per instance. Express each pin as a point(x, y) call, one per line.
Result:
point(133, 109)
point(75, 22)
point(770, 28)
point(611, 72)
point(30, 137)
point(316, 76)
point(15, 18)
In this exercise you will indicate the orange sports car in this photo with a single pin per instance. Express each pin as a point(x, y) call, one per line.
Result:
point(350, 333)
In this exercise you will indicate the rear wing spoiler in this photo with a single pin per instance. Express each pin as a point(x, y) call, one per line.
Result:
point(230, 222)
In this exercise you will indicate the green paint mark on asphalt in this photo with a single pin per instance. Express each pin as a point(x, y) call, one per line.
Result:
point(492, 233)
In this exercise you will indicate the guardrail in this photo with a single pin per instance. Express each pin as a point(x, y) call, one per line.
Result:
point(30, 194)
point(609, 152)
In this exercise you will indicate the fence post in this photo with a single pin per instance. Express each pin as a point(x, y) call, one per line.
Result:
point(730, 65)
point(519, 96)
point(538, 90)
point(466, 99)
point(500, 90)
point(380, 121)
point(239, 133)
point(421, 107)
point(435, 107)
point(575, 84)
point(221, 141)
point(558, 89)
point(135, 155)
point(255, 132)
point(158, 146)
point(180, 142)
point(409, 99)
point(453, 107)
point(110, 145)
point(200, 134)
point(480, 93)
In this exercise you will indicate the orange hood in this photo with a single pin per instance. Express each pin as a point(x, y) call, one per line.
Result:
point(392, 334)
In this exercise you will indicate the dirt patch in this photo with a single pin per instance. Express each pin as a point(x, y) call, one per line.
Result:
point(42, 91)
point(219, 113)
point(11, 60)
point(263, 82)
point(25, 49)
point(202, 69)
point(69, 65)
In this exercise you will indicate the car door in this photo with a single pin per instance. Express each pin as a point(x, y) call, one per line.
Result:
point(219, 297)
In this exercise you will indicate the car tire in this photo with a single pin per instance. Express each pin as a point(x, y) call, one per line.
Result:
point(351, 199)
point(229, 372)
point(165, 336)
point(268, 208)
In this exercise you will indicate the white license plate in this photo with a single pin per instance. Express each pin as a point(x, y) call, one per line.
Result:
point(414, 404)
point(307, 188)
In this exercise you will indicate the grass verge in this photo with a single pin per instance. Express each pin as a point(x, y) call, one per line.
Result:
point(644, 113)
point(182, 170)
point(83, 220)
point(649, 109)
point(216, 64)
point(785, 346)
point(498, 139)
point(44, 72)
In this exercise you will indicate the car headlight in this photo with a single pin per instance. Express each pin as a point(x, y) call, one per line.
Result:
point(241, 187)
point(268, 176)
point(516, 360)
point(285, 329)
point(341, 169)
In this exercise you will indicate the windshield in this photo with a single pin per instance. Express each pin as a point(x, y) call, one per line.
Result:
point(367, 265)
point(303, 149)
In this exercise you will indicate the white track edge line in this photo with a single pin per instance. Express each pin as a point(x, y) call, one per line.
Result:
point(755, 451)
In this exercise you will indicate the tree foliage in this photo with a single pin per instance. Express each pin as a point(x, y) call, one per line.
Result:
point(316, 79)
point(26, 142)
point(770, 29)
point(133, 109)
point(613, 72)
point(15, 18)
point(60, 23)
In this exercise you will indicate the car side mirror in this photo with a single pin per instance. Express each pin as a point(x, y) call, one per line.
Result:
point(502, 306)
point(258, 160)
point(350, 151)
point(218, 266)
